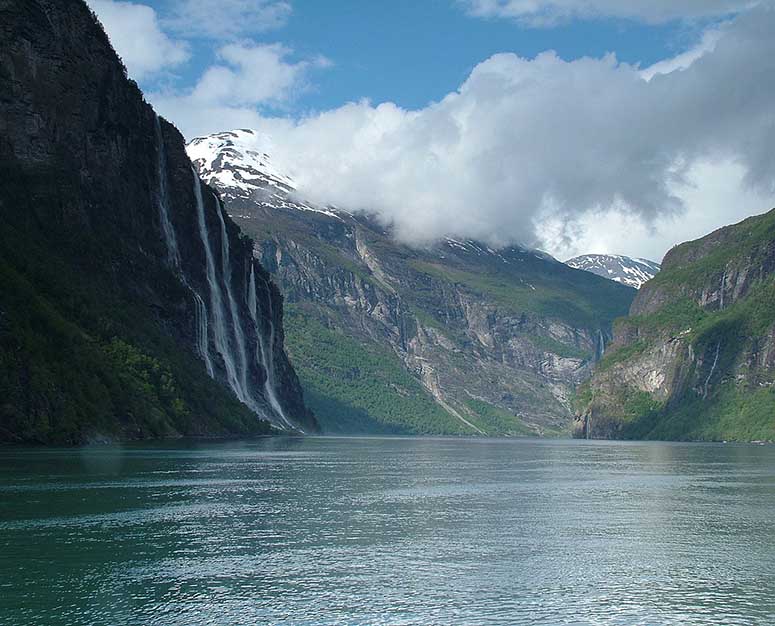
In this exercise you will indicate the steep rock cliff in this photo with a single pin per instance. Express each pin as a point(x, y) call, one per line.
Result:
point(696, 357)
point(125, 289)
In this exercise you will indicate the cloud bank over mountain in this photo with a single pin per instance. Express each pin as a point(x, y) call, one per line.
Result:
point(542, 151)
point(523, 141)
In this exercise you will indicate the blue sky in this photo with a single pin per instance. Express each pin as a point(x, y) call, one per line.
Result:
point(650, 122)
point(414, 52)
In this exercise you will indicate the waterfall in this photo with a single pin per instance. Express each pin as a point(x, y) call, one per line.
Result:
point(238, 334)
point(236, 373)
point(222, 344)
point(712, 369)
point(173, 252)
point(202, 335)
point(267, 359)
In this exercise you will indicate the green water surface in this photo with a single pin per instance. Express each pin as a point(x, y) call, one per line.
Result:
point(388, 531)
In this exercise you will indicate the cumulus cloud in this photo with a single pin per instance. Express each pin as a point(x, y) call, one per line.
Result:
point(685, 59)
point(714, 195)
point(226, 19)
point(549, 12)
point(536, 151)
point(525, 142)
point(247, 76)
point(254, 74)
point(136, 35)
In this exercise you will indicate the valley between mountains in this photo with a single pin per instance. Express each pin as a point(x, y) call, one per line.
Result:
point(457, 338)
point(151, 288)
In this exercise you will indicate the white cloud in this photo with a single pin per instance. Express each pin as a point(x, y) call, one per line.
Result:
point(523, 141)
point(253, 74)
point(248, 76)
point(226, 19)
point(685, 59)
point(135, 34)
point(529, 149)
point(714, 195)
point(549, 12)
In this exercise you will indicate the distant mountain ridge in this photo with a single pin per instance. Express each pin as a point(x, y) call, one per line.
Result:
point(626, 270)
point(455, 338)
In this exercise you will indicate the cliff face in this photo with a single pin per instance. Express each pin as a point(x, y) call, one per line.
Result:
point(453, 339)
point(696, 357)
point(125, 287)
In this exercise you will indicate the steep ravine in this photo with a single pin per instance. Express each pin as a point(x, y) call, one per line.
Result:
point(126, 289)
point(455, 338)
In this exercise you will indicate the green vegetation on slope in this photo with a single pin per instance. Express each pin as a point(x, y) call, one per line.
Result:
point(585, 301)
point(748, 317)
point(359, 387)
point(694, 262)
point(723, 392)
point(495, 421)
point(355, 386)
point(732, 413)
point(77, 363)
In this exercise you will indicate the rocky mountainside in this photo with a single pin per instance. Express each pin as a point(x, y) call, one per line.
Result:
point(458, 338)
point(130, 304)
point(623, 269)
point(696, 357)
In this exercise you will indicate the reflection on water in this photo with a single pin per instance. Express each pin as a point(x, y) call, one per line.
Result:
point(388, 531)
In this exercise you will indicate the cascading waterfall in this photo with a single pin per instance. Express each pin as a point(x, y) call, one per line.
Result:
point(202, 335)
point(236, 373)
point(173, 252)
point(220, 337)
point(267, 359)
point(238, 334)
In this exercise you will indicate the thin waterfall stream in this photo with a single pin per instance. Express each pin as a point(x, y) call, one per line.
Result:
point(220, 337)
point(173, 252)
point(267, 359)
point(238, 334)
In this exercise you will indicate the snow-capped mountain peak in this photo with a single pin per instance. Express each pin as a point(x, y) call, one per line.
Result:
point(629, 271)
point(237, 163)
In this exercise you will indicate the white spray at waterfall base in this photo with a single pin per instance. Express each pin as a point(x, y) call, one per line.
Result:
point(267, 358)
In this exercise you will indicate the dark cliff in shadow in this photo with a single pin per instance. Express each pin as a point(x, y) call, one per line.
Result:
point(130, 304)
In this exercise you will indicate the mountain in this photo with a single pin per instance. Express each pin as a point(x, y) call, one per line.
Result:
point(130, 304)
point(456, 338)
point(695, 359)
point(622, 269)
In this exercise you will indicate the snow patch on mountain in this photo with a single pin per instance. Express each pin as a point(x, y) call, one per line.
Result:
point(237, 163)
point(633, 272)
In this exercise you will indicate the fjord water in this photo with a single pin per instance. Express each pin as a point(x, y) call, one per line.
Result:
point(388, 531)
